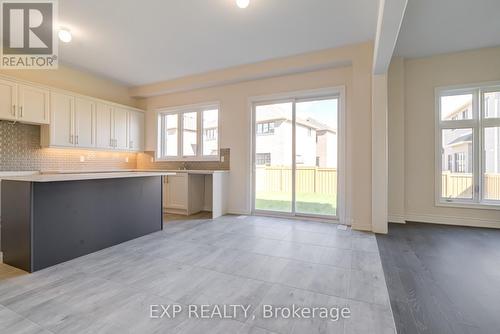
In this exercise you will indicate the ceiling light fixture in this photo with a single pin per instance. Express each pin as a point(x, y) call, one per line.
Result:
point(242, 3)
point(65, 35)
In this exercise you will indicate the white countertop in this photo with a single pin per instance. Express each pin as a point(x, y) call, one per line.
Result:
point(4, 175)
point(83, 176)
point(190, 171)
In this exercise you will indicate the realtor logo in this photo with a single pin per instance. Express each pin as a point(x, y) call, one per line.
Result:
point(28, 36)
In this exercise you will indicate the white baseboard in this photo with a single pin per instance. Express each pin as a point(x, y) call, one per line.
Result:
point(238, 212)
point(400, 219)
point(448, 220)
point(367, 228)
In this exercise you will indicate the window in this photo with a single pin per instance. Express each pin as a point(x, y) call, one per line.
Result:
point(263, 159)
point(460, 162)
point(265, 128)
point(170, 136)
point(188, 133)
point(468, 132)
point(210, 132)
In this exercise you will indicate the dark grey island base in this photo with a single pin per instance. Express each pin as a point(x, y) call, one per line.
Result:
point(46, 223)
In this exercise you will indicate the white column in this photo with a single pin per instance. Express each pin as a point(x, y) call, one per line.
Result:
point(379, 154)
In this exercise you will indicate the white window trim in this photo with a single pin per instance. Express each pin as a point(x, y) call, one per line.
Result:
point(477, 124)
point(180, 110)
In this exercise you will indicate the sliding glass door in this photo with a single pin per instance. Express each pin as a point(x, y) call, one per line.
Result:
point(273, 157)
point(296, 156)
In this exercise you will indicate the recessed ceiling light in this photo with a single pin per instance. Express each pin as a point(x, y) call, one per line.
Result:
point(64, 35)
point(242, 3)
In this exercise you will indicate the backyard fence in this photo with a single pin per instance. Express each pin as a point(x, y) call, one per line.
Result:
point(460, 185)
point(308, 180)
point(324, 181)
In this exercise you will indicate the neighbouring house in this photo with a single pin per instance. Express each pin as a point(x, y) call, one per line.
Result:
point(457, 143)
point(316, 143)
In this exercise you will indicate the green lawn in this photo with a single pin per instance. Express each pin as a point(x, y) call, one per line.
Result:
point(321, 204)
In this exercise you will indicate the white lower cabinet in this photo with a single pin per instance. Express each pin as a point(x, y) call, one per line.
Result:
point(189, 192)
point(184, 193)
point(175, 190)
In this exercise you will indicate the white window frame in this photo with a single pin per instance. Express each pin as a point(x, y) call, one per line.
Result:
point(343, 207)
point(179, 111)
point(478, 123)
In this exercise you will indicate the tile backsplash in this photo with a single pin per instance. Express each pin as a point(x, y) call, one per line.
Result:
point(20, 150)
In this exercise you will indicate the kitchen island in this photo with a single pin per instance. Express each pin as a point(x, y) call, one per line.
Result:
point(51, 218)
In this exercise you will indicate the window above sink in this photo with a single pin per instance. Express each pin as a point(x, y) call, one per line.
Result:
point(189, 133)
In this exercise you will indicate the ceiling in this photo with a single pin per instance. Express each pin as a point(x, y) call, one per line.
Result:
point(441, 26)
point(140, 42)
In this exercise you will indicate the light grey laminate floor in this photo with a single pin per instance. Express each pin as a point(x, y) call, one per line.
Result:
point(231, 260)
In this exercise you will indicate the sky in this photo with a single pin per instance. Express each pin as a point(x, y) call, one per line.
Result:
point(451, 103)
point(324, 111)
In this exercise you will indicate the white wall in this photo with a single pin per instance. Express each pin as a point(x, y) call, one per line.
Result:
point(414, 126)
point(235, 132)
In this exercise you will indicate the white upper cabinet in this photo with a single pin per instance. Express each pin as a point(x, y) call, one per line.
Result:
point(72, 120)
point(33, 104)
point(120, 128)
point(104, 126)
point(62, 120)
point(85, 123)
point(136, 131)
point(24, 103)
point(8, 100)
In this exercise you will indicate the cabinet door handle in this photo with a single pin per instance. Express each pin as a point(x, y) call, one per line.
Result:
point(71, 139)
point(76, 139)
point(21, 111)
point(14, 110)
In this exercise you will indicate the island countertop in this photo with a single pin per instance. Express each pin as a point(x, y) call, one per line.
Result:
point(83, 176)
